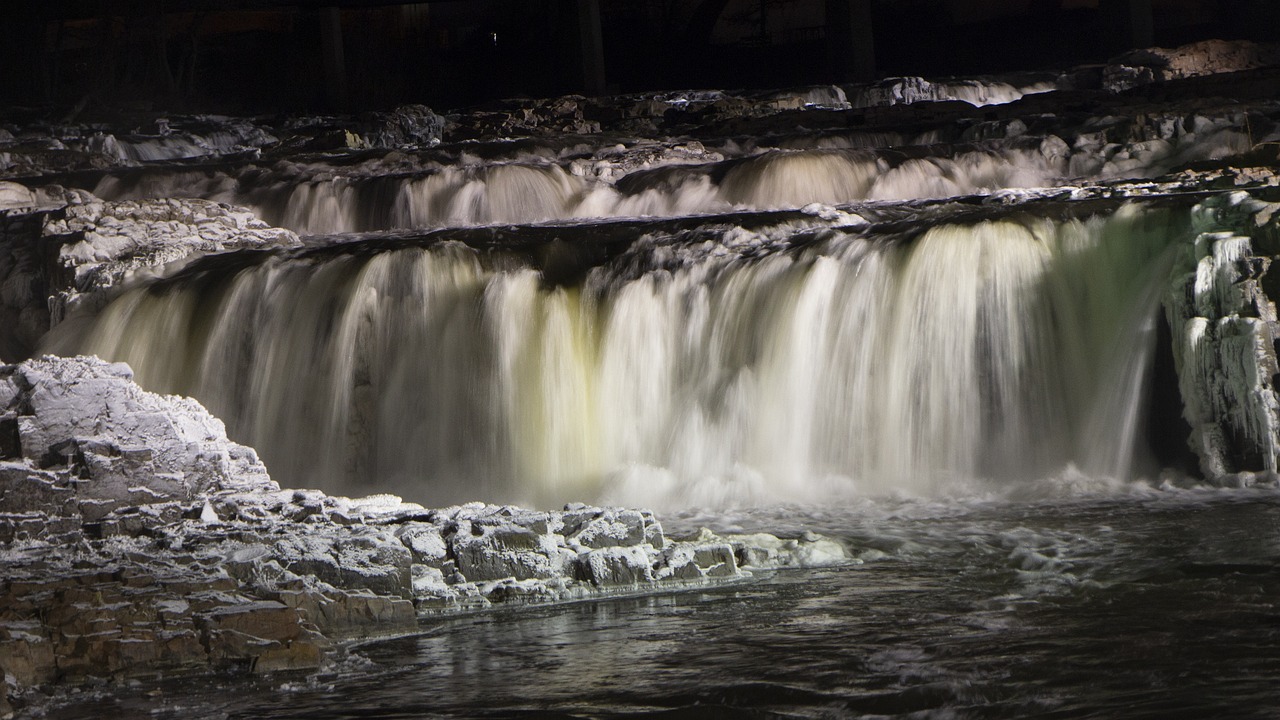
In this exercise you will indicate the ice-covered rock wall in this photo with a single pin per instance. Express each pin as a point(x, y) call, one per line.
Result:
point(1221, 306)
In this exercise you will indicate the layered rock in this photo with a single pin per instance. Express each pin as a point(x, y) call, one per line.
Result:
point(67, 248)
point(135, 538)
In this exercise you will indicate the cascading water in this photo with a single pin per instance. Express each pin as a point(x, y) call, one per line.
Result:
point(536, 190)
point(397, 192)
point(717, 367)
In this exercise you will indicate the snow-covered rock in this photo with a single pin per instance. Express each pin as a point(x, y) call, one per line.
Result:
point(67, 249)
point(135, 537)
point(100, 245)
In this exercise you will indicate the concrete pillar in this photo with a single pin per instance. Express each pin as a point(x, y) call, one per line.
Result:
point(592, 47)
point(335, 64)
point(851, 40)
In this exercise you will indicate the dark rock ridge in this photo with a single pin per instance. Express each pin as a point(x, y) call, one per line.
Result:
point(136, 538)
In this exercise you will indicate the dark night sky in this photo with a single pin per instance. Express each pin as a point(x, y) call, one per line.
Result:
point(267, 55)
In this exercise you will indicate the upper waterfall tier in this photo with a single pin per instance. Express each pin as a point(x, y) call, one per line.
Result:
point(667, 154)
point(539, 182)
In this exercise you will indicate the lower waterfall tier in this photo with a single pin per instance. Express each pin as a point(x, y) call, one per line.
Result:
point(712, 367)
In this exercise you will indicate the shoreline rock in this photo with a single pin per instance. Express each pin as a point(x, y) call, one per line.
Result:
point(135, 538)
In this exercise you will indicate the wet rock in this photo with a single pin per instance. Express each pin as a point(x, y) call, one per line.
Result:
point(26, 653)
point(269, 634)
point(763, 550)
point(346, 613)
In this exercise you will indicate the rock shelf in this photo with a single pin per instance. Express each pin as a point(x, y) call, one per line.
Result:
point(135, 538)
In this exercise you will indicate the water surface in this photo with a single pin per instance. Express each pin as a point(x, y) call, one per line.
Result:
point(1136, 604)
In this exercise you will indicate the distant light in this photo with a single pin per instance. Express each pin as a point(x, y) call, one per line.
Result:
point(494, 36)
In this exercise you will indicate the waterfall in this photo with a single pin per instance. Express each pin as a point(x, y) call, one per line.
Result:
point(682, 371)
point(317, 200)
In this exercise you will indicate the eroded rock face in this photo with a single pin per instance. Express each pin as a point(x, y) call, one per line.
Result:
point(135, 537)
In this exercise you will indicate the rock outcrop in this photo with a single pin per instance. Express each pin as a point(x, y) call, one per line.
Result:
point(136, 538)
point(67, 248)
point(1207, 57)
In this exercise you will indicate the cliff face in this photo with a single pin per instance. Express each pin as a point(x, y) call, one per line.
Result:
point(60, 249)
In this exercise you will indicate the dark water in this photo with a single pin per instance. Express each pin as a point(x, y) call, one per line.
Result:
point(1150, 604)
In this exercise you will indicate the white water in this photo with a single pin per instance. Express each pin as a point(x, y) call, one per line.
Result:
point(400, 192)
point(681, 374)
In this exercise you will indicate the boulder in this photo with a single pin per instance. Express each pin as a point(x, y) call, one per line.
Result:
point(153, 448)
point(406, 126)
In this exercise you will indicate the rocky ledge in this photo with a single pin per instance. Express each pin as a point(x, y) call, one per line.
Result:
point(62, 248)
point(135, 538)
